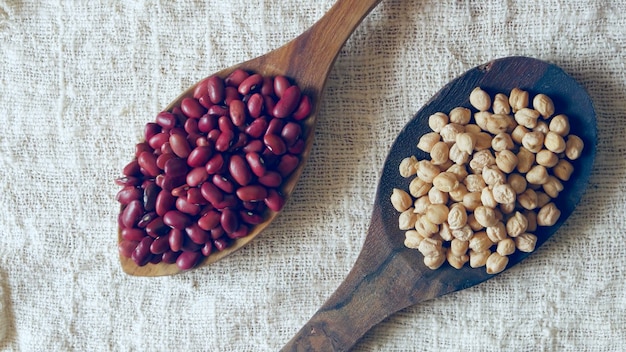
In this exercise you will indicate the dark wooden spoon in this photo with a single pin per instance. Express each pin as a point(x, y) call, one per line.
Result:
point(387, 276)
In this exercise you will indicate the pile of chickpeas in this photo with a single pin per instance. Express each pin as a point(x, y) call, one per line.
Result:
point(493, 173)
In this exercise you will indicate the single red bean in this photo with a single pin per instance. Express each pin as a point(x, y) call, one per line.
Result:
point(217, 232)
point(298, 147)
point(252, 193)
point(141, 255)
point(213, 135)
point(150, 129)
point(142, 147)
point(255, 105)
point(164, 202)
point(127, 181)
point(275, 144)
point(146, 219)
point(167, 120)
point(166, 148)
point(157, 227)
point(304, 108)
point(170, 257)
point(238, 112)
point(239, 170)
point(211, 193)
point(215, 88)
point(254, 146)
point(224, 123)
point(290, 133)
point(188, 260)
point(250, 217)
point(176, 219)
point(235, 78)
point(132, 213)
point(160, 244)
point(197, 234)
point(250, 84)
point(175, 167)
point(275, 126)
point(176, 239)
point(257, 128)
point(133, 234)
point(220, 244)
point(218, 110)
point(205, 101)
point(241, 232)
point(271, 179)
point(268, 86)
point(199, 156)
point(287, 103)
point(229, 201)
point(186, 207)
point(281, 83)
point(201, 88)
point(192, 108)
point(288, 163)
point(196, 176)
point(229, 220)
point(126, 248)
point(168, 182)
point(215, 164)
point(194, 196)
point(268, 103)
point(223, 183)
point(128, 194)
point(158, 139)
point(150, 193)
point(207, 249)
point(180, 146)
point(230, 94)
point(274, 200)
point(224, 141)
point(131, 169)
point(209, 220)
point(163, 159)
point(207, 123)
point(256, 163)
point(203, 142)
point(178, 130)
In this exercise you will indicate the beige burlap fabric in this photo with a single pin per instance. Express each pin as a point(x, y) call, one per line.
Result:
point(79, 79)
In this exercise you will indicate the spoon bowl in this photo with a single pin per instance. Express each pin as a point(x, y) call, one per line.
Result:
point(306, 60)
point(388, 276)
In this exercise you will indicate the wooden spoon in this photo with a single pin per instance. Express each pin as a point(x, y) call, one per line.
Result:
point(307, 60)
point(387, 276)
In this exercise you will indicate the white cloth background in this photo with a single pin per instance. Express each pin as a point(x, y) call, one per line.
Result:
point(79, 79)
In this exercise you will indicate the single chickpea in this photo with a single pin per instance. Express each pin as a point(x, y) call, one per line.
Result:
point(486, 197)
point(525, 160)
point(533, 141)
point(437, 213)
point(459, 170)
point(507, 208)
point(472, 128)
point(502, 141)
point(428, 140)
point(446, 182)
point(553, 187)
point(458, 156)
point(554, 142)
point(458, 194)
point(456, 262)
point(506, 161)
point(425, 227)
point(537, 175)
point(450, 131)
point(482, 159)
point(496, 263)
point(473, 224)
point(480, 99)
point(542, 127)
point(419, 187)
point(485, 216)
point(481, 118)
point(430, 246)
point(528, 199)
point(412, 239)
point(526, 242)
point(421, 205)
point(501, 104)
point(518, 133)
point(438, 197)
point(518, 99)
point(445, 232)
point(446, 165)
point(400, 200)
point(407, 219)
point(457, 216)
point(458, 247)
point(483, 141)
point(427, 171)
point(493, 176)
point(517, 182)
point(408, 166)
point(506, 247)
point(460, 115)
point(472, 200)
point(478, 259)
point(531, 216)
point(435, 261)
point(517, 224)
point(574, 147)
point(527, 117)
point(544, 105)
point(547, 158)
point(466, 142)
point(503, 193)
point(560, 125)
point(465, 233)
point(439, 153)
point(497, 232)
point(548, 215)
point(498, 123)
point(437, 120)
point(480, 242)
point(474, 183)
point(542, 199)
point(563, 170)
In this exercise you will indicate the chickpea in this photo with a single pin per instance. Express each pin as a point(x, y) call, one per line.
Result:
point(485, 216)
point(472, 200)
point(437, 213)
point(407, 219)
point(527, 117)
point(544, 105)
point(501, 104)
point(563, 170)
point(526, 242)
point(480, 99)
point(439, 153)
point(506, 247)
point(456, 262)
point(554, 142)
point(486, 198)
point(428, 140)
point(459, 170)
point(458, 194)
point(493, 176)
point(481, 118)
point(421, 205)
point(446, 182)
point(450, 131)
point(430, 246)
point(412, 239)
point(425, 227)
point(458, 156)
point(518, 99)
point(542, 199)
point(474, 183)
point(528, 199)
point(473, 224)
point(503, 193)
point(427, 171)
point(460, 116)
point(517, 224)
point(502, 141)
point(498, 123)
point(400, 200)
point(517, 182)
point(437, 197)
point(437, 120)
point(574, 147)
point(478, 259)
point(408, 166)
point(466, 142)
point(537, 175)
point(531, 216)
point(482, 159)
point(497, 232)
point(506, 161)
point(548, 215)
point(533, 141)
point(445, 232)
point(472, 128)
point(435, 261)
point(483, 141)
point(518, 133)
point(542, 127)
point(560, 125)
point(552, 187)
point(525, 160)
point(459, 247)
point(496, 263)
point(419, 187)
point(457, 216)
point(507, 208)
point(465, 233)
point(480, 242)
point(546, 158)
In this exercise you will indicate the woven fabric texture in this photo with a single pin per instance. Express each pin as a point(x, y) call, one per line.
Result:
point(79, 79)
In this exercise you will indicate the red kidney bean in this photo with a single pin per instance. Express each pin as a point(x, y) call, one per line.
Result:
point(224, 141)
point(205, 101)
point(133, 234)
point(257, 128)
point(160, 244)
point(150, 193)
point(146, 219)
point(241, 232)
point(178, 130)
point(256, 163)
point(230, 94)
point(168, 182)
point(224, 123)
point(199, 156)
point(167, 120)
point(128, 194)
point(288, 163)
point(235, 78)
point(254, 146)
point(298, 147)
point(290, 133)
point(202, 142)
point(250, 84)
point(218, 110)
point(126, 248)
point(163, 159)
point(192, 108)
point(229, 220)
point(196, 176)
point(189, 245)
point(157, 227)
point(281, 83)
point(194, 196)
point(271, 179)
point(142, 147)
point(213, 135)
point(209, 220)
point(237, 112)
point(150, 130)
point(158, 139)
point(132, 213)
point(269, 103)
point(176, 239)
point(304, 108)
point(287, 103)
point(268, 86)
point(252, 193)
point(211, 193)
point(229, 201)
point(250, 218)
point(164, 202)
point(179, 145)
point(175, 167)
point(239, 170)
point(131, 169)
point(275, 126)
point(275, 144)
point(215, 164)
point(141, 255)
point(223, 183)
point(188, 260)
point(207, 249)
point(154, 259)
point(176, 219)
point(201, 88)
point(220, 243)
point(169, 257)
point(215, 89)
point(206, 123)
point(180, 191)
point(217, 232)
point(255, 105)
point(197, 234)
point(186, 207)
point(242, 140)
point(274, 200)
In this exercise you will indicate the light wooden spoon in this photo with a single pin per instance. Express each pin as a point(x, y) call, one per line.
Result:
point(387, 276)
point(307, 60)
